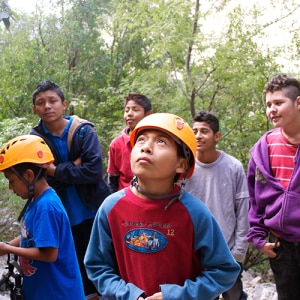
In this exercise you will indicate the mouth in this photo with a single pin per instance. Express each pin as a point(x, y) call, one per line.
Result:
point(275, 118)
point(143, 160)
point(47, 114)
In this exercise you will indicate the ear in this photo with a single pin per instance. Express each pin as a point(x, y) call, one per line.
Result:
point(65, 104)
point(298, 102)
point(149, 112)
point(182, 165)
point(218, 136)
point(29, 175)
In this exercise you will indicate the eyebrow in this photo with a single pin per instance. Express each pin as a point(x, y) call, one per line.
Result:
point(201, 127)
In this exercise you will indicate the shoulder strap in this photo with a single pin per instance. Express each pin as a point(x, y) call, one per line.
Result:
point(76, 122)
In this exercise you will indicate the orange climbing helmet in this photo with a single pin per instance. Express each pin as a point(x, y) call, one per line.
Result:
point(175, 127)
point(25, 149)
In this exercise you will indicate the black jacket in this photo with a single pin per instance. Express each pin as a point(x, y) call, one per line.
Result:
point(88, 177)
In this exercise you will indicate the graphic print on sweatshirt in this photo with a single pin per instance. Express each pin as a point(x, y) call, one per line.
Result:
point(145, 240)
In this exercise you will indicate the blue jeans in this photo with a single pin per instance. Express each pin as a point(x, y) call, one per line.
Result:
point(286, 269)
point(236, 292)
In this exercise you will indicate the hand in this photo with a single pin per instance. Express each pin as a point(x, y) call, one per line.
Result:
point(51, 170)
point(3, 248)
point(268, 249)
point(77, 161)
point(26, 267)
point(156, 296)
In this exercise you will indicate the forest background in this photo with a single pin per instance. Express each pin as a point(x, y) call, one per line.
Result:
point(185, 55)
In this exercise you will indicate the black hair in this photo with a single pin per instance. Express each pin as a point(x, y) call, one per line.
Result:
point(289, 85)
point(140, 99)
point(209, 118)
point(22, 167)
point(47, 86)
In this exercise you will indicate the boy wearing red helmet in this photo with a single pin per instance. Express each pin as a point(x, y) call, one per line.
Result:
point(45, 247)
point(153, 240)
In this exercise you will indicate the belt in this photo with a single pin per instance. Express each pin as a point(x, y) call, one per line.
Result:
point(275, 234)
point(283, 240)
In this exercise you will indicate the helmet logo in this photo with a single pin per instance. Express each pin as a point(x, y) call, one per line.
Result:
point(1, 158)
point(179, 123)
point(40, 153)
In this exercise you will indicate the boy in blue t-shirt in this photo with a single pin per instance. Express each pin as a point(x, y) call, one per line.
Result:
point(45, 247)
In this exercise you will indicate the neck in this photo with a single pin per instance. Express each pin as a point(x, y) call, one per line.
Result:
point(208, 157)
point(57, 128)
point(144, 189)
point(40, 188)
point(293, 135)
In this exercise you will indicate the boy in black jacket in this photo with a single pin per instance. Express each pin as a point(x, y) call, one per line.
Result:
point(76, 173)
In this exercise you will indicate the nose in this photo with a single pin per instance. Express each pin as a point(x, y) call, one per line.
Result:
point(198, 134)
point(146, 148)
point(271, 108)
point(129, 112)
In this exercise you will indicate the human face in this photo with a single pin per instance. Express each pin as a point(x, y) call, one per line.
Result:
point(16, 184)
point(49, 107)
point(133, 113)
point(281, 110)
point(154, 156)
point(205, 137)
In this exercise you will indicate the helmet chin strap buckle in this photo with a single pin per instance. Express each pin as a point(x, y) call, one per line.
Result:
point(134, 183)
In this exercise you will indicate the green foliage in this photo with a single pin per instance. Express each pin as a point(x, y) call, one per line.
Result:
point(256, 261)
point(11, 128)
point(100, 50)
point(10, 208)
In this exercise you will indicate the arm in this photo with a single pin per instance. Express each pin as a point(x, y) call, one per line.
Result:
point(258, 231)
point(91, 168)
point(220, 268)
point(100, 261)
point(113, 181)
point(241, 212)
point(112, 168)
point(47, 254)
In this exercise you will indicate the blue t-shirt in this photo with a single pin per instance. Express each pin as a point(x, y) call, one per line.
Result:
point(46, 224)
point(76, 209)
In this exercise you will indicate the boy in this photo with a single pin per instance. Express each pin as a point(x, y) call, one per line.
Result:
point(152, 240)
point(273, 180)
point(219, 180)
point(137, 106)
point(45, 247)
point(76, 174)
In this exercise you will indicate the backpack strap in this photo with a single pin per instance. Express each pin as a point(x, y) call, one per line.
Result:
point(76, 122)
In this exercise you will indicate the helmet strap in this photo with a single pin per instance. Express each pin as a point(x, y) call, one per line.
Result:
point(30, 187)
point(134, 183)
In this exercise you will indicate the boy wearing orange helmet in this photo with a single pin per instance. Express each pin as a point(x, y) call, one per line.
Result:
point(152, 240)
point(45, 247)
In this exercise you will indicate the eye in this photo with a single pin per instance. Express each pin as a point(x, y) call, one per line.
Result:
point(140, 139)
point(53, 100)
point(162, 141)
point(39, 103)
